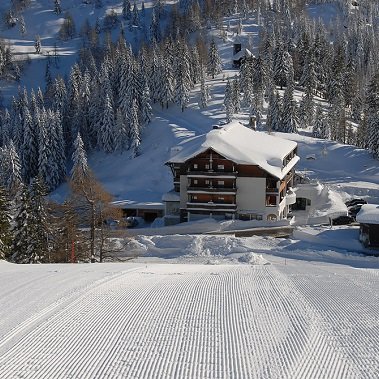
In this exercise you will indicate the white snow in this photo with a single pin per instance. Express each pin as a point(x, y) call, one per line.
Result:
point(242, 145)
point(368, 214)
point(273, 316)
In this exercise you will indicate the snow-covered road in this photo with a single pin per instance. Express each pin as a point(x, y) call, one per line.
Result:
point(288, 319)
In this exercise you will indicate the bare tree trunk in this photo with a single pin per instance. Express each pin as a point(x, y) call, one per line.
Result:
point(92, 237)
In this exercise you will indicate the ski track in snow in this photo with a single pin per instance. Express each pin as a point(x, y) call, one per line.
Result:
point(299, 320)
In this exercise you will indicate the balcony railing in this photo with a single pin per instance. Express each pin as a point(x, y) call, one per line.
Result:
point(211, 173)
point(211, 190)
point(211, 206)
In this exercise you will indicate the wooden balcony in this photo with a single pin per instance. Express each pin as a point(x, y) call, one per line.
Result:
point(212, 174)
point(210, 206)
point(218, 190)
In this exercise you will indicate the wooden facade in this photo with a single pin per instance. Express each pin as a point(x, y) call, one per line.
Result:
point(369, 235)
point(211, 185)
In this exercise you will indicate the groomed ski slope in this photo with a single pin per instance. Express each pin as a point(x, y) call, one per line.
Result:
point(285, 319)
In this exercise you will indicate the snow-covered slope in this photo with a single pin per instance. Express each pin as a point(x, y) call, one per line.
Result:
point(288, 319)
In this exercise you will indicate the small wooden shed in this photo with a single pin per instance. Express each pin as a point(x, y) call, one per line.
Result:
point(368, 218)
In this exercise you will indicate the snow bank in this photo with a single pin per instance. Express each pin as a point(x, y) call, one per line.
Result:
point(253, 259)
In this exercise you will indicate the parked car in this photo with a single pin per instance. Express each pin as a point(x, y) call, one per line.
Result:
point(343, 220)
point(354, 202)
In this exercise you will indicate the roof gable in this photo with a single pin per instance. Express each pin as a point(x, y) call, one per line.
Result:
point(241, 145)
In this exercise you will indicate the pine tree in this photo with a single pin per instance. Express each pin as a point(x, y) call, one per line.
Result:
point(22, 26)
point(146, 110)
point(320, 127)
point(155, 31)
point(135, 137)
point(165, 90)
point(122, 132)
point(306, 109)
point(126, 9)
point(274, 113)
point(183, 79)
point(204, 92)
point(236, 96)
point(282, 65)
point(289, 114)
point(373, 135)
point(80, 169)
point(57, 7)
point(44, 149)
point(5, 225)
point(38, 224)
point(214, 60)
point(10, 169)
point(20, 228)
point(37, 44)
point(5, 128)
point(107, 138)
point(135, 15)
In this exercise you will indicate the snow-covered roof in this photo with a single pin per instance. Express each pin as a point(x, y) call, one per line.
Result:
point(369, 214)
point(241, 54)
point(128, 204)
point(171, 196)
point(242, 145)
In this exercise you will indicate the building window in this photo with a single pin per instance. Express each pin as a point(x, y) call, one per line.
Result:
point(271, 217)
point(221, 199)
point(220, 183)
point(194, 197)
point(207, 181)
point(195, 166)
point(220, 167)
point(195, 181)
point(207, 166)
point(270, 200)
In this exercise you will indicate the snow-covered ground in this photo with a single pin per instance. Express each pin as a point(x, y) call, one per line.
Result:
point(273, 317)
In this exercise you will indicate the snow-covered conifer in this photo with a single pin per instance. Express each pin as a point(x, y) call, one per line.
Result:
point(320, 127)
point(274, 112)
point(5, 225)
point(107, 139)
point(38, 224)
point(236, 95)
point(122, 132)
point(135, 15)
point(10, 169)
point(37, 44)
point(135, 134)
point(282, 65)
point(146, 110)
point(214, 60)
point(20, 229)
point(22, 25)
point(183, 79)
point(290, 120)
point(57, 7)
point(80, 170)
point(204, 91)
